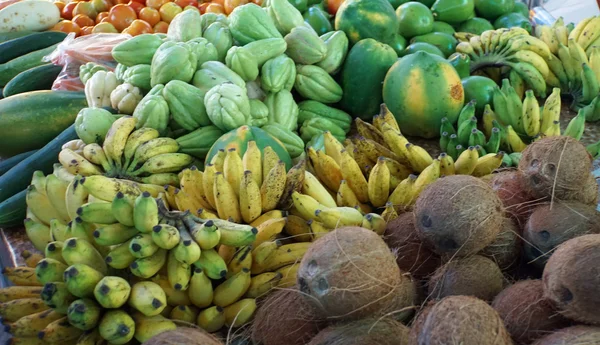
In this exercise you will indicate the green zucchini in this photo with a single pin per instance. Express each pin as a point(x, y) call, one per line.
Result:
point(8, 36)
point(24, 45)
point(15, 66)
point(30, 120)
point(7, 164)
point(34, 79)
point(13, 210)
point(19, 177)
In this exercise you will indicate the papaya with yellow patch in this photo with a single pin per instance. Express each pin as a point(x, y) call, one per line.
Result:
point(420, 89)
point(361, 19)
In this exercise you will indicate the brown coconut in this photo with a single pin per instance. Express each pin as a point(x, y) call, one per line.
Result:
point(571, 279)
point(184, 335)
point(411, 254)
point(554, 223)
point(284, 317)
point(475, 276)
point(526, 313)
point(461, 320)
point(574, 335)
point(374, 331)
point(350, 273)
point(458, 215)
point(511, 188)
point(505, 251)
point(554, 167)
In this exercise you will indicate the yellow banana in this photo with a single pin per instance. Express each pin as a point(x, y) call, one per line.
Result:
point(39, 204)
point(389, 213)
point(546, 34)
point(562, 33)
point(427, 176)
point(577, 53)
point(551, 111)
point(38, 233)
point(532, 77)
point(187, 251)
point(11, 293)
point(386, 116)
point(31, 325)
point(178, 273)
point(250, 198)
point(240, 313)
point(337, 217)
point(116, 138)
point(447, 167)
point(487, 164)
point(328, 171)
point(354, 177)
point(232, 289)
point(11, 311)
point(153, 148)
point(419, 157)
point(145, 213)
point(59, 331)
point(262, 284)
point(241, 260)
point(228, 206)
point(270, 160)
point(267, 216)
point(252, 161)
point(289, 274)
point(590, 33)
point(165, 163)
point(466, 161)
point(306, 205)
point(273, 187)
point(333, 147)
point(531, 114)
point(208, 184)
point(379, 184)
point(268, 230)
point(192, 183)
point(396, 142)
point(533, 58)
point(211, 319)
point(297, 229)
point(579, 28)
point(374, 222)
point(95, 154)
point(146, 327)
point(135, 139)
point(233, 170)
point(77, 164)
point(200, 289)
point(262, 254)
point(284, 255)
point(530, 43)
point(21, 276)
point(346, 197)
point(312, 187)
point(317, 229)
point(105, 188)
point(514, 141)
point(75, 196)
point(185, 202)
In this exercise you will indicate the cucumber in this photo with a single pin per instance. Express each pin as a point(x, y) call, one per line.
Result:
point(13, 210)
point(30, 120)
point(24, 45)
point(8, 36)
point(7, 164)
point(19, 177)
point(34, 79)
point(15, 66)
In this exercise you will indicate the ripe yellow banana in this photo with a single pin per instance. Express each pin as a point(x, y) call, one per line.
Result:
point(208, 184)
point(466, 161)
point(165, 163)
point(240, 312)
point(21, 276)
point(233, 170)
point(77, 164)
point(11, 311)
point(270, 159)
point(200, 290)
point(374, 222)
point(354, 177)
point(396, 142)
point(105, 188)
point(253, 162)
point(419, 157)
point(546, 34)
point(39, 204)
point(75, 196)
point(11, 293)
point(228, 206)
point(533, 58)
point(293, 183)
point(531, 114)
point(262, 254)
point(289, 274)
point(59, 331)
point(297, 229)
point(31, 325)
point(306, 205)
point(328, 171)
point(273, 187)
point(267, 216)
point(487, 164)
point(379, 184)
point(232, 289)
point(312, 187)
point(185, 202)
point(337, 217)
point(333, 147)
point(116, 138)
point(427, 176)
point(192, 183)
point(346, 197)
point(515, 143)
point(95, 154)
point(389, 213)
point(268, 230)
point(241, 260)
point(284, 255)
point(447, 166)
point(262, 284)
point(551, 111)
point(250, 198)
point(579, 28)
point(211, 319)
point(135, 139)
point(317, 229)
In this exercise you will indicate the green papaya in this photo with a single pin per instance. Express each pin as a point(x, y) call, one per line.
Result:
point(361, 19)
point(415, 19)
point(213, 73)
point(521, 7)
point(313, 109)
point(264, 50)
point(453, 11)
point(283, 109)
point(443, 27)
point(203, 49)
point(444, 42)
point(186, 26)
point(186, 104)
point(492, 9)
point(259, 113)
point(362, 76)
point(172, 61)
point(304, 46)
point(199, 142)
point(511, 20)
point(398, 44)
point(284, 15)
point(475, 26)
point(422, 46)
point(138, 76)
point(249, 23)
point(137, 50)
point(337, 48)
point(318, 19)
point(242, 62)
point(461, 63)
point(219, 35)
point(315, 83)
point(300, 5)
point(292, 142)
point(278, 74)
point(479, 89)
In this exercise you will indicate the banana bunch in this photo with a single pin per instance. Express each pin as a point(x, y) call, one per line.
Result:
point(140, 155)
point(527, 57)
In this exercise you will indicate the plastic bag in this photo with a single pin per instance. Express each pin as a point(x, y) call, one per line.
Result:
point(74, 52)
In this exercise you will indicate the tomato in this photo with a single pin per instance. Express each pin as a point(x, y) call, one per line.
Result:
point(85, 8)
point(203, 7)
point(220, 2)
point(67, 26)
point(86, 30)
point(101, 16)
point(184, 3)
point(83, 20)
point(137, 7)
point(60, 5)
point(121, 16)
point(149, 15)
point(168, 11)
point(104, 28)
point(101, 5)
point(333, 5)
point(230, 5)
point(143, 2)
point(67, 12)
point(215, 8)
point(161, 27)
point(138, 27)
point(157, 4)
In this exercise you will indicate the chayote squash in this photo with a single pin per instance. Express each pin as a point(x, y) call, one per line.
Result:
point(153, 110)
point(249, 23)
point(292, 142)
point(213, 73)
point(315, 83)
point(92, 124)
point(199, 142)
point(186, 26)
point(186, 103)
point(203, 49)
point(138, 76)
point(208, 18)
point(278, 74)
point(266, 49)
point(125, 98)
point(119, 72)
point(304, 46)
point(242, 62)
point(88, 70)
point(137, 50)
point(220, 36)
point(254, 91)
point(283, 109)
point(259, 113)
point(337, 48)
point(312, 109)
point(284, 15)
point(228, 106)
point(316, 126)
point(173, 61)
point(99, 87)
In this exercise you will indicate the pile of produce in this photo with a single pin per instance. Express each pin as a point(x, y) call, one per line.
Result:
point(255, 173)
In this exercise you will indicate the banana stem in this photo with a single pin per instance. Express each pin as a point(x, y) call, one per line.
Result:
point(487, 61)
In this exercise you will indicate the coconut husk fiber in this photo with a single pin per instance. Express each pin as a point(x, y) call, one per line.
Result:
point(376, 331)
point(458, 215)
point(511, 188)
point(184, 335)
point(554, 223)
point(505, 251)
point(574, 335)
point(411, 254)
point(460, 320)
point(350, 273)
point(571, 279)
point(526, 313)
point(475, 276)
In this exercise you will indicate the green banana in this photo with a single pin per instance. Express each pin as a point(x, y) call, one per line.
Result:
point(212, 264)
point(532, 77)
point(235, 235)
point(81, 280)
point(493, 144)
point(165, 236)
point(501, 108)
point(145, 213)
point(110, 235)
point(53, 250)
point(78, 251)
point(178, 273)
point(112, 292)
point(452, 144)
point(147, 267)
point(58, 230)
point(57, 296)
point(84, 314)
point(515, 106)
point(122, 210)
point(117, 327)
point(589, 82)
point(97, 212)
point(49, 271)
point(576, 126)
point(465, 129)
point(148, 298)
point(200, 289)
point(120, 256)
point(207, 235)
point(142, 246)
point(467, 113)
point(447, 127)
point(187, 251)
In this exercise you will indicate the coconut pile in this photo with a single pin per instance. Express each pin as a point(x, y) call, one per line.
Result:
point(510, 259)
